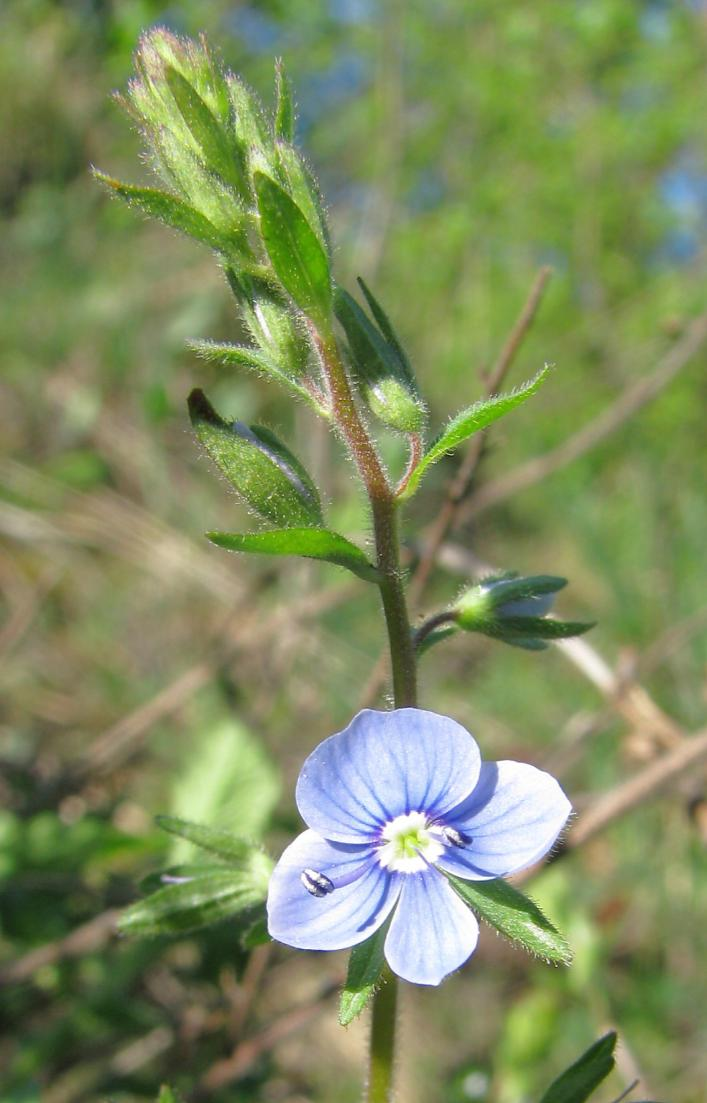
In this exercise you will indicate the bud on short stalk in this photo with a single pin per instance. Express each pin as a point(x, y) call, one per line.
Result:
point(514, 609)
point(383, 378)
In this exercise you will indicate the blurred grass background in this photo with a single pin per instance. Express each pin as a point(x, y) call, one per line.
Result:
point(460, 147)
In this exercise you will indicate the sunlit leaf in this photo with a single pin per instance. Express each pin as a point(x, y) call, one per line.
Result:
point(312, 543)
point(579, 1081)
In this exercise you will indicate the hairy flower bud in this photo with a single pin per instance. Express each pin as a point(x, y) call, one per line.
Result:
point(259, 466)
point(514, 609)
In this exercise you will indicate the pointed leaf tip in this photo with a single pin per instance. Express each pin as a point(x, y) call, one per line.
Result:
point(577, 1083)
point(311, 543)
point(515, 916)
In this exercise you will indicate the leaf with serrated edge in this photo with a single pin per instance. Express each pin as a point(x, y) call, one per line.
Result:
point(294, 249)
point(579, 1081)
point(514, 916)
point(469, 421)
point(311, 543)
point(366, 964)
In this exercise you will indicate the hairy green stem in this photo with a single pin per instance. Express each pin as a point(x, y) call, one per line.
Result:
point(385, 523)
point(402, 655)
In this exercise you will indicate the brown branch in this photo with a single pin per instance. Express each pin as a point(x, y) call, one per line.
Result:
point(247, 1052)
point(83, 940)
point(626, 796)
point(459, 485)
point(630, 401)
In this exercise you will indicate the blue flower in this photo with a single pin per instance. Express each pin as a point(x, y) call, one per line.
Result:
point(392, 803)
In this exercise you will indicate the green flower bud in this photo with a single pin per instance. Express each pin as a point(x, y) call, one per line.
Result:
point(514, 609)
point(382, 378)
point(259, 466)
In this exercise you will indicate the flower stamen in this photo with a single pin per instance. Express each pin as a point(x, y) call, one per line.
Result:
point(317, 884)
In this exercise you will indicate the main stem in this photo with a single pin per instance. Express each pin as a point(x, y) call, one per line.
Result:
point(402, 657)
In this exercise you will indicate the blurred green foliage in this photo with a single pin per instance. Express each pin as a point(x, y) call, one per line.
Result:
point(459, 147)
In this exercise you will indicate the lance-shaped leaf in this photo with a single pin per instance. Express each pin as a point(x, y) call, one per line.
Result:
point(170, 210)
point(215, 894)
point(381, 378)
point(296, 254)
point(469, 421)
point(579, 1081)
point(259, 466)
point(284, 106)
point(514, 916)
point(231, 848)
point(310, 543)
point(366, 965)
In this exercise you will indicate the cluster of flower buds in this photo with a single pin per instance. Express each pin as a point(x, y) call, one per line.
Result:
point(514, 609)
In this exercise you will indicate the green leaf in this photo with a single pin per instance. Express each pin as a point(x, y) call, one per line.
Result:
point(284, 107)
point(579, 1081)
point(295, 251)
point(366, 965)
point(232, 848)
point(311, 543)
point(469, 421)
point(225, 777)
point(170, 210)
point(514, 916)
point(258, 465)
point(207, 898)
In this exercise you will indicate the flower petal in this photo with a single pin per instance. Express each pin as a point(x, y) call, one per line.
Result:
point(512, 818)
point(363, 896)
point(382, 765)
point(432, 932)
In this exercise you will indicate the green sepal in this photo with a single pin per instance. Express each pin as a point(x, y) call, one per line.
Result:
point(158, 878)
point(579, 1081)
point(284, 105)
point(499, 589)
point(258, 465)
point(514, 916)
point(172, 212)
point(205, 129)
point(216, 894)
point(365, 972)
point(231, 848)
point(256, 934)
point(385, 326)
point(248, 121)
point(311, 543)
point(296, 253)
point(241, 356)
point(515, 629)
point(382, 379)
point(475, 417)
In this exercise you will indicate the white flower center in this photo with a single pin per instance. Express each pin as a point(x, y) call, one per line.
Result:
point(409, 846)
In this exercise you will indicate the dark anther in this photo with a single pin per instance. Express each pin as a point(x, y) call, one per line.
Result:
point(454, 837)
point(318, 884)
